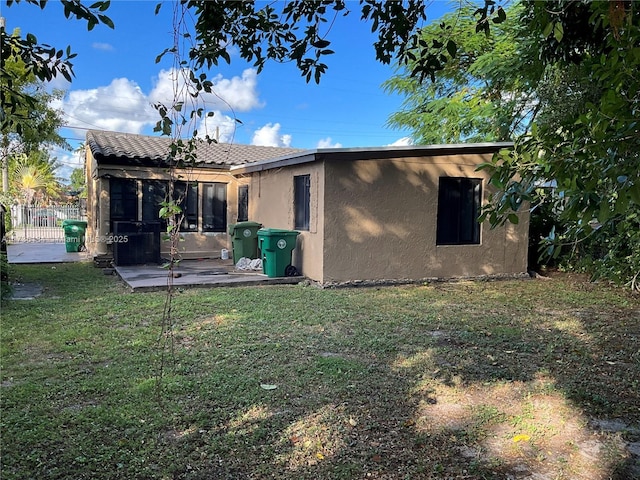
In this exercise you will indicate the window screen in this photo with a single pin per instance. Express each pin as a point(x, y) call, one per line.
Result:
point(301, 196)
point(186, 195)
point(154, 192)
point(214, 207)
point(458, 209)
point(123, 200)
point(243, 203)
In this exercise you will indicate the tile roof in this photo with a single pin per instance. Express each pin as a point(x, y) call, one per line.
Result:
point(131, 149)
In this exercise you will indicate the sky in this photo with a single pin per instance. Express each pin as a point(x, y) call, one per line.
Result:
point(117, 80)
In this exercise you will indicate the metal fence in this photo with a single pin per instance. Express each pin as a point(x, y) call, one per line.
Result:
point(41, 224)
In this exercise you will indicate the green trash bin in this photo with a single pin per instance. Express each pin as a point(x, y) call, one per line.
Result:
point(244, 239)
point(276, 246)
point(74, 234)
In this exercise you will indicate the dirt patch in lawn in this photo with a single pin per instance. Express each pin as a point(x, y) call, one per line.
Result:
point(522, 429)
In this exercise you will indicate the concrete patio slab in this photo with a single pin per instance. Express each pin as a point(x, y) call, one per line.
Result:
point(205, 273)
point(141, 278)
point(39, 252)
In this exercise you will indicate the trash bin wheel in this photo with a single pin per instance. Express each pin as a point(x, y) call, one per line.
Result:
point(291, 271)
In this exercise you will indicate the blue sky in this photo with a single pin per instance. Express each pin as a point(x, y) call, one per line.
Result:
point(117, 79)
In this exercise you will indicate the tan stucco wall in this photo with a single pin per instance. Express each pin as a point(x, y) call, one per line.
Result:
point(194, 245)
point(380, 223)
point(370, 219)
point(97, 194)
point(271, 204)
point(376, 219)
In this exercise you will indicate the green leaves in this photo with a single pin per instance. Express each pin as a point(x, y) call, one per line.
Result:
point(563, 83)
point(300, 32)
point(320, 44)
point(555, 30)
point(452, 48)
point(476, 95)
point(41, 62)
point(107, 21)
point(90, 14)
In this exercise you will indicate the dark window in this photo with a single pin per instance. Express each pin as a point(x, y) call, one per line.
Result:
point(186, 195)
point(214, 207)
point(243, 203)
point(458, 210)
point(154, 192)
point(123, 198)
point(301, 201)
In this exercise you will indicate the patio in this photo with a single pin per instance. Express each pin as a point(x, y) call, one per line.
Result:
point(203, 273)
point(43, 252)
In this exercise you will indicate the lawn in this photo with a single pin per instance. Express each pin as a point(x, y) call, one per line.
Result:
point(467, 380)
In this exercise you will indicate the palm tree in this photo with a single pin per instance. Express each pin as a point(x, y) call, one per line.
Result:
point(33, 177)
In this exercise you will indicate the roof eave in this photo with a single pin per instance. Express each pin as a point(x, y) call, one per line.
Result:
point(376, 153)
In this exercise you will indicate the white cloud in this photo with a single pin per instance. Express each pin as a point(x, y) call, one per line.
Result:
point(107, 47)
point(123, 106)
point(327, 143)
point(219, 126)
point(237, 93)
point(402, 142)
point(269, 136)
point(120, 106)
point(68, 162)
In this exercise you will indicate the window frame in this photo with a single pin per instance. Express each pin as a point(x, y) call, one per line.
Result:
point(126, 199)
point(151, 207)
point(243, 203)
point(459, 203)
point(189, 193)
point(218, 200)
point(302, 202)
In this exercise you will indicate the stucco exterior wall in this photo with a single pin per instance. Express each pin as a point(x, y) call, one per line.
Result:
point(381, 219)
point(271, 204)
point(195, 245)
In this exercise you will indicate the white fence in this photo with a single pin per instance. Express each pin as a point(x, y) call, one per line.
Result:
point(41, 224)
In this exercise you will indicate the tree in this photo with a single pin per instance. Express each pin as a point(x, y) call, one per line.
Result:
point(33, 179)
point(39, 123)
point(481, 93)
point(40, 62)
point(78, 183)
point(558, 78)
point(586, 137)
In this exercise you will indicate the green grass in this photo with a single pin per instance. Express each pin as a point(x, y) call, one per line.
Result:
point(449, 380)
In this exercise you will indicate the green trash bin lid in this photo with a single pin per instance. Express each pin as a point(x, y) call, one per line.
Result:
point(276, 232)
point(244, 226)
point(77, 223)
point(269, 232)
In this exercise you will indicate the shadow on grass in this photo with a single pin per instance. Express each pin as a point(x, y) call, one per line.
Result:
point(469, 380)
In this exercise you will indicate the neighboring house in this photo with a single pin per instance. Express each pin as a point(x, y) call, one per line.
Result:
point(389, 213)
point(127, 179)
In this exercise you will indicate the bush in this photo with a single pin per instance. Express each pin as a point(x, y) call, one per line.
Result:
point(613, 252)
point(5, 288)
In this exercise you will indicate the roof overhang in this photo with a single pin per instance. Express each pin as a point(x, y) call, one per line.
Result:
point(369, 153)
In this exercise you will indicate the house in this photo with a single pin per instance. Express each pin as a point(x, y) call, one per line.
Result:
point(127, 179)
point(385, 213)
